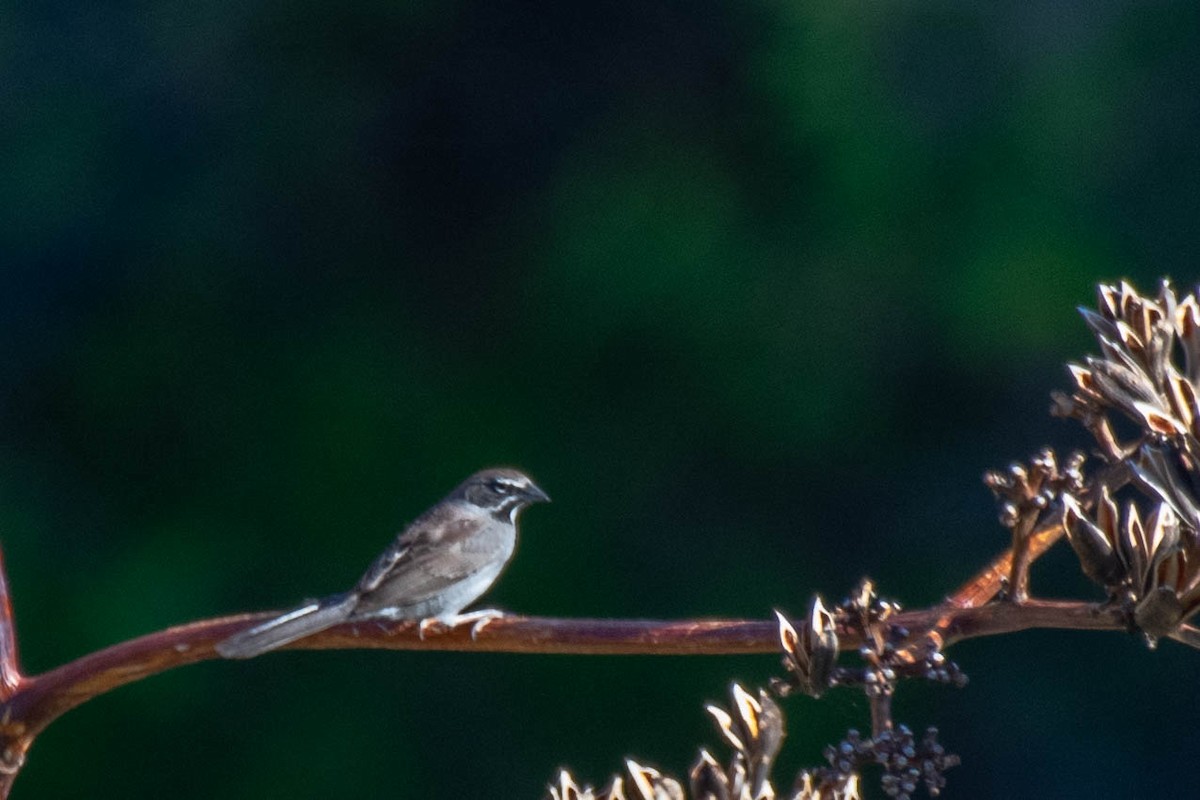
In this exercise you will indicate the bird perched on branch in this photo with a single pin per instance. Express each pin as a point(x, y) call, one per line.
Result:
point(441, 563)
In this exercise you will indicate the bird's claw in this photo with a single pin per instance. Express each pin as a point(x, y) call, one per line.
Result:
point(478, 619)
point(486, 618)
point(424, 625)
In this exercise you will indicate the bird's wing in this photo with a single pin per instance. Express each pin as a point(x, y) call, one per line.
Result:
point(383, 565)
point(430, 555)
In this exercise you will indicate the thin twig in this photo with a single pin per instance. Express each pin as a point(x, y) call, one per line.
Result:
point(1187, 634)
point(1021, 559)
point(983, 587)
point(881, 713)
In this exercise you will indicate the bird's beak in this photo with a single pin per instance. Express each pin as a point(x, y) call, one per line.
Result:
point(535, 495)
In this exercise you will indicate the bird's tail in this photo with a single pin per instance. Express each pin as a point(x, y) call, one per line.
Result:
point(296, 624)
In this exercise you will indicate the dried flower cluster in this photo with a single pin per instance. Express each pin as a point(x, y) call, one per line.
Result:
point(889, 652)
point(810, 654)
point(753, 728)
point(1146, 551)
point(1132, 516)
point(1026, 495)
point(1137, 374)
point(907, 763)
point(1148, 566)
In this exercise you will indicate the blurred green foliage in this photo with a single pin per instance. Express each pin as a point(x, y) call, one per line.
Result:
point(755, 290)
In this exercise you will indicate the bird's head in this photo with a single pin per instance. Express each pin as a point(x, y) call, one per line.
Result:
point(502, 492)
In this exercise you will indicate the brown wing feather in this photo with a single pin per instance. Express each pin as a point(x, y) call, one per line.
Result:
point(433, 553)
point(382, 566)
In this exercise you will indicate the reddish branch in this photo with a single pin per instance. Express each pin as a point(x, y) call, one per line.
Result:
point(42, 698)
point(10, 673)
point(29, 703)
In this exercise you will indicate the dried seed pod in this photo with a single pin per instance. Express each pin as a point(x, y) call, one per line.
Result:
point(811, 653)
point(809, 787)
point(1097, 557)
point(1187, 328)
point(823, 644)
point(565, 788)
point(1155, 470)
point(1158, 613)
point(708, 780)
point(753, 727)
point(650, 784)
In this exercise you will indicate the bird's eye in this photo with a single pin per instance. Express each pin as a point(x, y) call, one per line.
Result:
point(499, 487)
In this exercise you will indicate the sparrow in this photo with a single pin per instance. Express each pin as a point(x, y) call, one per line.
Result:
point(437, 566)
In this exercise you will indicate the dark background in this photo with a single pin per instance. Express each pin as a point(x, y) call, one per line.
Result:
point(755, 290)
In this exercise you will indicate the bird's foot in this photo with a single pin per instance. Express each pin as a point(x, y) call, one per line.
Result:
point(478, 619)
point(425, 625)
